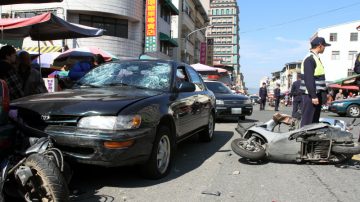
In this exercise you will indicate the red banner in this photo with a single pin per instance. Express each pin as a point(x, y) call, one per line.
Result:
point(150, 24)
point(203, 53)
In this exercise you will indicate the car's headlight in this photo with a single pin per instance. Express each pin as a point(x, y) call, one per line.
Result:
point(247, 101)
point(219, 102)
point(110, 122)
point(340, 104)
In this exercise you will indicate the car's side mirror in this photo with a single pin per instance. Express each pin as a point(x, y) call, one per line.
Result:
point(186, 87)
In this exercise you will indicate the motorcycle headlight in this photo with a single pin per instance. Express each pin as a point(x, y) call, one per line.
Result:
point(219, 102)
point(110, 122)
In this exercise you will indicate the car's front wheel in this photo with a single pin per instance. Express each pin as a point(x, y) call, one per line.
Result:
point(207, 134)
point(159, 163)
point(353, 111)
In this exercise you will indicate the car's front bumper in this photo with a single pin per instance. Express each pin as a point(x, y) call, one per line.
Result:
point(233, 110)
point(87, 146)
point(337, 109)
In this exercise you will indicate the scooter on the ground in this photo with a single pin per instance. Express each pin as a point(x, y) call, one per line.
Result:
point(318, 142)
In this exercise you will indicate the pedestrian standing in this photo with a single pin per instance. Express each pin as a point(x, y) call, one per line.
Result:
point(277, 96)
point(313, 83)
point(339, 95)
point(33, 83)
point(296, 93)
point(8, 72)
point(263, 95)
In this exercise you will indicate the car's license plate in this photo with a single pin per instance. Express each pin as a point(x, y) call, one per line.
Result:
point(236, 111)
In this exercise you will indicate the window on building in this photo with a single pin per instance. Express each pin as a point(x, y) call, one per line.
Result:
point(335, 55)
point(112, 26)
point(354, 36)
point(165, 14)
point(217, 11)
point(164, 48)
point(352, 55)
point(227, 11)
point(333, 36)
point(222, 11)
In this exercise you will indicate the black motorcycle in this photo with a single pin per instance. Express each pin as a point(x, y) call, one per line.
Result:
point(31, 167)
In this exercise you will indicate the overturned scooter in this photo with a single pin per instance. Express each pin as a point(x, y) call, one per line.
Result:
point(318, 142)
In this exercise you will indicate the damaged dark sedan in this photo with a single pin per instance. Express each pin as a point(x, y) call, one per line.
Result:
point(125, 113)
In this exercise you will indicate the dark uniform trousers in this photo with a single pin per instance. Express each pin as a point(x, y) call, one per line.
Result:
point(296, 111)
point(310, 112)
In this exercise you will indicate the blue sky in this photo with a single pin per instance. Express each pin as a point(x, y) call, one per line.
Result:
point(273, 33)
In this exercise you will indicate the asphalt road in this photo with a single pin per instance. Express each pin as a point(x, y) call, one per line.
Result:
point(212, 172)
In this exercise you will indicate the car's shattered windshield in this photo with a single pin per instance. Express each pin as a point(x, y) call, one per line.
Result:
point(142, 74)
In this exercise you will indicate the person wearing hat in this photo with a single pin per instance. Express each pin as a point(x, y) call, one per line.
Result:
point(313, 83)
point(263, 95)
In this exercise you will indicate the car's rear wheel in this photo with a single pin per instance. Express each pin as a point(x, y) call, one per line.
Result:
point(353, 111)
point(207, 134)
point(160, 161)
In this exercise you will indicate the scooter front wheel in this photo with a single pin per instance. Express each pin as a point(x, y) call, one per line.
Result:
point(251, 150)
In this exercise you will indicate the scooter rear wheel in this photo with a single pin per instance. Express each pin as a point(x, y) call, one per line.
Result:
point(254, 152)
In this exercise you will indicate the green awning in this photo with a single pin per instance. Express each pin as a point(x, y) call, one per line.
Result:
point(165, 37)
point(170, 5)
point(348, 80)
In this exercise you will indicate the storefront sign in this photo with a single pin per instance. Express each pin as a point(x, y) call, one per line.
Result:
point(210, 52)
point(203, 53)
point(151, 26)
point(51, 84)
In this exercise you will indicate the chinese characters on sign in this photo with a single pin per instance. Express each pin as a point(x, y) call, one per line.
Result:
point(203, 53)
point(150, 26)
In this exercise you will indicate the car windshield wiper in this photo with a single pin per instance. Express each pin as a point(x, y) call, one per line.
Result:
point(116, 84)
point(88, 85)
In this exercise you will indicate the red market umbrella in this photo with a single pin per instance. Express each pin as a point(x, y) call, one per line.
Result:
point(8, 2)
point(84, 52)
point(347, 87)
point(45, 27)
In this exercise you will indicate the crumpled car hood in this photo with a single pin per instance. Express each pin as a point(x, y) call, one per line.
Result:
point(92, 101)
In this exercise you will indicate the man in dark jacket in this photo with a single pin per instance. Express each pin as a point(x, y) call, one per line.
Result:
point(263, 95)
point(296, 93)
point(277, 96)
point(8, 72)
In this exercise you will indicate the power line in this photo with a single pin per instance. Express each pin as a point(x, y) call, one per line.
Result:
point(301, 19)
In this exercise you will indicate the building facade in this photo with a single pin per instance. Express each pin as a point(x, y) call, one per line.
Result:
point(192, 16)
point(122, 20)
point(339, 58)
point(224, 17)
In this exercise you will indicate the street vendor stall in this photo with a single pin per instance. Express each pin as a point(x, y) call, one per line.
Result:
point(45, 27)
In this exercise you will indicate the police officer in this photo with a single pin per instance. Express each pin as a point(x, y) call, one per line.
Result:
point(313, 83)
point(277, 96)
point(296, 93)
point(263, 95)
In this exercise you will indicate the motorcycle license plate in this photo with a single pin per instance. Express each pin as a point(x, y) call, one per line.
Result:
point(236, 110)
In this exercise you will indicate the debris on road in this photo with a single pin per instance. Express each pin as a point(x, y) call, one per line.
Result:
point(216, 193)
point(236, 172)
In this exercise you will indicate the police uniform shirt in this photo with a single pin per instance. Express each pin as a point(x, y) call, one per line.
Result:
point(309, 69)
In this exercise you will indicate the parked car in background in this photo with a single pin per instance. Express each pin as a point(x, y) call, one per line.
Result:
point(125, 113)
point(254, 99)
point(229, 104)
point(348, 107)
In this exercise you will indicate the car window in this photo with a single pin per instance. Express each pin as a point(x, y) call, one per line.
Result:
point(146, 74)
point(218, 87)
point(195, 78)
